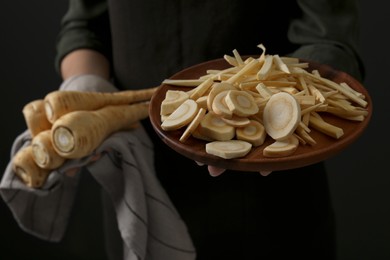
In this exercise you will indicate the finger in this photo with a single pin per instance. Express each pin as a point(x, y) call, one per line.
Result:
point(199, 163)
point(215, 171)
point(265, 173)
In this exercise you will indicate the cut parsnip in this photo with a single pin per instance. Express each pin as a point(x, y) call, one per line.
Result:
point(266, 68)
point(281, 115)
point(326, 128)
point(202, 102)
point(173, 99)
point(182, 116)
point(214, 128)
point(237, 121)
point(27, 170)
point(228, 149)
point(241, 103)
point(201, 89)
point(193, 125)
point(253, 133)
point(215, 89)
point(219, 105)
point(44, 154)
point(281, 148)
point(183, 82)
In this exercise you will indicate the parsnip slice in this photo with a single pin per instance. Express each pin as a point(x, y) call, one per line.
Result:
point(182, 116)
point(219, 105)
point(241, 103)
point(253, 133)
point(173, 99)
point(282, 148)
point(281, 115)
point(237, 121)
point(215, 89)
point(214, 128)
point(228, 149)
point(193, 125)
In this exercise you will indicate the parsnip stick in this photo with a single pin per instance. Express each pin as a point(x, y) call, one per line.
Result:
point(245, 69)
point(35, 117)
point(266, 68)
point(231, 60)
point(340, 88)
point(27, 170)
point(59, 103)
point(78, 133)
point(280, 64)
point(238, 57)
point(305, 136)
point(326, 128)
point(183, 82)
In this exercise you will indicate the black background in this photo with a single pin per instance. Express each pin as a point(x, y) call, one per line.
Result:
point(359, 177)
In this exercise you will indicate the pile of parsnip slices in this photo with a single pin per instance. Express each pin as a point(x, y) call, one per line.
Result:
point(235, 109)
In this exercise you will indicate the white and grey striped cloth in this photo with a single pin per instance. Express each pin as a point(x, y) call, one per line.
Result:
point(149, 224)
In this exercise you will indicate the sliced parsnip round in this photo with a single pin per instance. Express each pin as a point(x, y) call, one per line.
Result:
point(193, 125)
point(202, 102)
point(253, 133)
point(282, 148)
point(241, 103)
point(43, 151)
point(182, 116)
point(281, 115)
point(173, 99)
point(219, 106)
point(237, 121)
point(215, 89)
point(228, 149)
point(198, 135)
point(214, 128)
point(27, 170)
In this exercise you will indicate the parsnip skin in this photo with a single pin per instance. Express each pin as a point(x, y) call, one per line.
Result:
point(78, 133)
point(27, 170)
point(59, 103)
point(35, 117)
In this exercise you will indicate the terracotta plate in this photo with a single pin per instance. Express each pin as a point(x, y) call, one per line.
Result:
point(255, 161)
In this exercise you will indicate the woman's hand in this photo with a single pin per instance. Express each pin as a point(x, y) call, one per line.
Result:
point(216, 171)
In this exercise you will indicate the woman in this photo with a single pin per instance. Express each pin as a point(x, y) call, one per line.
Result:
point(137, 44)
